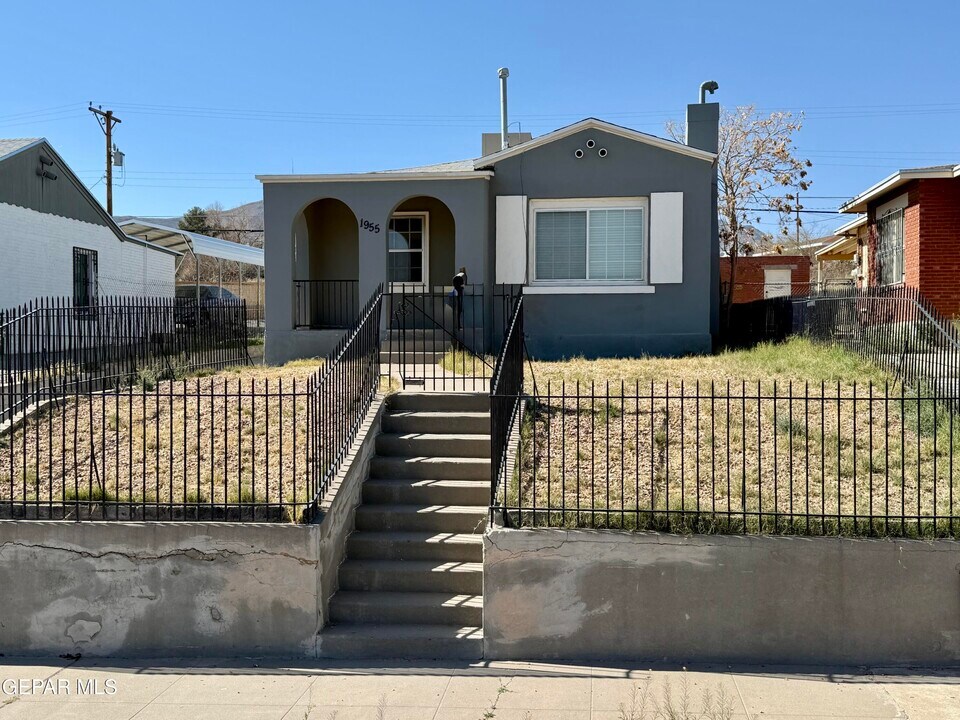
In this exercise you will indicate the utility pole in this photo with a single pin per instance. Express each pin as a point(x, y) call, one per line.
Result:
point(107, 121)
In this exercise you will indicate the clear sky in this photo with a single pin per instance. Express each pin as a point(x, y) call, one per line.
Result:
point(212, 93)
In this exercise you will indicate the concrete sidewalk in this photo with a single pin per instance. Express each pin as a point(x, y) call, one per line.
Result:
point(245, 689)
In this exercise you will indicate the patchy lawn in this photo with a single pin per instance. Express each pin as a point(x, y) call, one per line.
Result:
point(798, 360)
point(797, 434)
point(232, 437)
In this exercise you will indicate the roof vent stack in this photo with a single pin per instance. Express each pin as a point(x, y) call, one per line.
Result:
point(703, 120)
point(503, 73)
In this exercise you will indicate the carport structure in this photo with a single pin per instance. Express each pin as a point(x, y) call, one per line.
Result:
point(195, 244)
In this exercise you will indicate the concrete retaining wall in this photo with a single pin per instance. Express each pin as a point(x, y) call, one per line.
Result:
point(580, 595)
point(176, 589)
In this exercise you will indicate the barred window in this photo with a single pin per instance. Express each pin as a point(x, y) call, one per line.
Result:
point(84, 277)
point(890, 248)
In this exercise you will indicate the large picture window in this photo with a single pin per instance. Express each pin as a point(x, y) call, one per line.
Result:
point(407, 248)
point(890, 248)
point(584, 243)
point(84, 277)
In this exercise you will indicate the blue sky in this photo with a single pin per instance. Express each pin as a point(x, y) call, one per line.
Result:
point(212, 93)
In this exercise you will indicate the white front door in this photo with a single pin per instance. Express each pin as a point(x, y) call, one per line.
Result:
point(776, 282)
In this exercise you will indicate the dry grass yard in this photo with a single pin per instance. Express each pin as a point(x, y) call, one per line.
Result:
point(797, 441)
point(234, 437)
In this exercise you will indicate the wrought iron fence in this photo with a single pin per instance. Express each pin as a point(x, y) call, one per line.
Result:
point(52, 348)
point(197, 449)
point(506, 400)
point(326, 304)
point(894, 327)
point(443, 339)
point(208, 448)
point(854, 459)
point(343, 393)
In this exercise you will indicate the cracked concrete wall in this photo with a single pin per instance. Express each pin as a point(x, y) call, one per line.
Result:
point(588, 595)
point(175, 589)
point(154, 589)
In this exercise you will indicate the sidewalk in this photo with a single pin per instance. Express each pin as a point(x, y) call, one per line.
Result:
point(246, 689)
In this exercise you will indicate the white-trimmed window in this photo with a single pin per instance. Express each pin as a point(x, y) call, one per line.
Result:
point(596, 241)
point(408, 243)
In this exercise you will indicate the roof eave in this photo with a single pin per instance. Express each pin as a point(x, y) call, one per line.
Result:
point(376, 177)
point(890, 183)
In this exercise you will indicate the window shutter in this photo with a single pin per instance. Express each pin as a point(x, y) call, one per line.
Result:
point(511, 239)
point(666, 237)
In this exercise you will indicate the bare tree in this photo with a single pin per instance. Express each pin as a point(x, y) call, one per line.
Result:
point(757, 170)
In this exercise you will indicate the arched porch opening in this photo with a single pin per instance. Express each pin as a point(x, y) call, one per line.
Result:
point(421, 244)
point(326, 265)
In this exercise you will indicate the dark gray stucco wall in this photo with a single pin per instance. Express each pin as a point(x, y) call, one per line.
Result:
point(586, 595)
point(20, 185)
point(467, 201)
point(676, 318)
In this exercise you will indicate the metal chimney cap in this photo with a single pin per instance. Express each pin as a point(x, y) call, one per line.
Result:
point(709, 86)
point(503, 73)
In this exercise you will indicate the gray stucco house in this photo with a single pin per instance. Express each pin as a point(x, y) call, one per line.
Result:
point(611, 232)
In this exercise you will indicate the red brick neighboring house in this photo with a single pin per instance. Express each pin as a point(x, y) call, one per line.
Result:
point(913, 233)
point(763, 276)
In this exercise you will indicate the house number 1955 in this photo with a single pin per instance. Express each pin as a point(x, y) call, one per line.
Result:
point(369, 226)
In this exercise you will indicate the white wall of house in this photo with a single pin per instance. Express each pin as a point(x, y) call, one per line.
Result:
point(37, 258)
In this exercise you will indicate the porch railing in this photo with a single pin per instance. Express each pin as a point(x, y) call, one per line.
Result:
point(506, 403)
point(326, 304)
point(442, 339)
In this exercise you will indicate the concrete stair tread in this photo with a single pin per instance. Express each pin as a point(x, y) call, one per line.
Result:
point(408, 632)
point(404, 608)
point(401, 509)
point(438, 538)
point(402, 466)
point(387, 641)
point(440, 566)
point(437, 436)
point(444, 414)
point(429, 482)
point(412, 599)
point(452, 576)
point(428, 421)
point(439, 401)
point(415, 545)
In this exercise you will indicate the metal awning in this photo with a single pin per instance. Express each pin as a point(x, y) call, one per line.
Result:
point(185, 241)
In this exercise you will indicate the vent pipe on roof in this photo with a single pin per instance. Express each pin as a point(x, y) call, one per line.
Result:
point(503, 73)
point(710, 86)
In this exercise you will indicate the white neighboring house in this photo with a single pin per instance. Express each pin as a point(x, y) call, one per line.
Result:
point(56, 240)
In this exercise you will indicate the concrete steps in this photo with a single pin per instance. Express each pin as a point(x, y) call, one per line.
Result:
point(414, 642)
point(414, 545)
point(402, 608)
point(439, 492)
point(424, 468)
point(412, 582)
point(438, 518)
point(443, 444)
point(436, 422)
point(412, 576)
